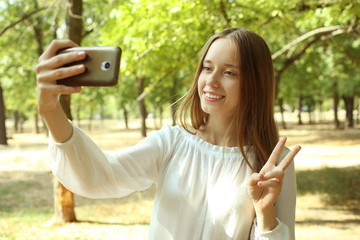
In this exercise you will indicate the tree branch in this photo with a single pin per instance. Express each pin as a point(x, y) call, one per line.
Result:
point(86, 33)
point(305, 36)
point(144, 93)
point(150, 48)
point(23, 18)
point(223, 11)
point(303, 6)
point(289, 61)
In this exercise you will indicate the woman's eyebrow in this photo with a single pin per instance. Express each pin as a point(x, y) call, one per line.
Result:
point(231, 65)
point(226, 64)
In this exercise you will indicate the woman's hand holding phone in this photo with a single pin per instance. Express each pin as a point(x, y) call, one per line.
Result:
point(49, 70)
point(62, 69)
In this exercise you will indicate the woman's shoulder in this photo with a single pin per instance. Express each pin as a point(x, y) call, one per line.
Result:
point(174, 132)
point(187, 138)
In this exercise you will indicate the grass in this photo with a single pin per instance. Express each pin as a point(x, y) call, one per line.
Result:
point(26, 209)
point(15, 223)
point(12, 192)
point(340, 186)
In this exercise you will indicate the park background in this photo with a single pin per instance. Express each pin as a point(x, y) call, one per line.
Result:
point(315, 46)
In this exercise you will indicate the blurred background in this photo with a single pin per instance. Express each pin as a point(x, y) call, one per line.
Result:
point(315, 47)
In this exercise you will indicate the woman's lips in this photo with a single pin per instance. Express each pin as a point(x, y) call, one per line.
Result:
point(210, 96)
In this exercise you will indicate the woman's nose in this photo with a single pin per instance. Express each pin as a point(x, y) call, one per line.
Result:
point(213, 79)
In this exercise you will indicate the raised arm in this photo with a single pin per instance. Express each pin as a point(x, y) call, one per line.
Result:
point(48, 71)
point(265, 188)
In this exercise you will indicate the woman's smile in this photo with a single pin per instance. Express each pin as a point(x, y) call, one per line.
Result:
point(212, 97)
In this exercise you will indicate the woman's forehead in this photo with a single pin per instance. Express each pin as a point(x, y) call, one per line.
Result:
point(223, 50)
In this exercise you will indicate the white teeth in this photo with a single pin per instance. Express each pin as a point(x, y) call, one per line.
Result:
point(209, 95)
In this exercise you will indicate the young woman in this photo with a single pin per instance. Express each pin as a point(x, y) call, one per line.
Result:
point(224, 175)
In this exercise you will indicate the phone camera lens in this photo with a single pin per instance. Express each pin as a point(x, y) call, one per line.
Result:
point(105, 66)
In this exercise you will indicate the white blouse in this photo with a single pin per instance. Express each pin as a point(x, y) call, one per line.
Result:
point(201, 188)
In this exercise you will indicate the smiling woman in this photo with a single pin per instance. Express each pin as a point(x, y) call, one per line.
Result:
point(244, 67)
point(222, 176)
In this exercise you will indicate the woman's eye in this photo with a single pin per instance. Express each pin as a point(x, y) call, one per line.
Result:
point(206, 68)
point(230, 73)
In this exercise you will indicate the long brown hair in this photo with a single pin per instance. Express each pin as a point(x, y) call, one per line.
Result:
point(254, 120)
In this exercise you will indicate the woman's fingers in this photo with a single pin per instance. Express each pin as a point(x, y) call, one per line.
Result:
point(275, 155)
point(60, 73)
point(272, 178)
point(65, 58)
point(273, 182)
point(275, 177)
point(276, 173)
point(50, 67)
point(55, 46)
point(254, 179)
point(58, 61)
point(289, 158)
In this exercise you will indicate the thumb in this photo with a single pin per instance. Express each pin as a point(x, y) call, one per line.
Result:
point(254, 179)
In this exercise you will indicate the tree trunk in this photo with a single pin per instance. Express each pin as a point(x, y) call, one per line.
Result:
point(161, 116)
point(16, 121)
point(74, 21)
point(3, 138)
point(358, 112)
point(173, 101)
point(39, 40)
point(63, 204)
point(309, 113)
point(21, 121)
point(125, 117)
point(320, 111)
point(141, 86)
point(300, 109)
point(173, 112)
point(349, 107)
point(281, 105)
point(90, 118)
point(63, 198)
point(38, 32)
point(36, 120)
point(336, 105)
point(155, 117)
point(78, 120)
point(102, 112)
point(277, 75)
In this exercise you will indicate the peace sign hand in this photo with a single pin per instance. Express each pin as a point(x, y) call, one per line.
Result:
point(265, 187)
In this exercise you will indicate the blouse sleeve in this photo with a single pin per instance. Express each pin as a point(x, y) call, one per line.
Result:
point(285, 209)
point(83, 168)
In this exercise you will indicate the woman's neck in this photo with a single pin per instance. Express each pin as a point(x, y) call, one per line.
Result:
point(216, 131)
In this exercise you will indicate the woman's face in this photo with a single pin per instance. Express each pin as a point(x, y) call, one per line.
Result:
point(219, 80)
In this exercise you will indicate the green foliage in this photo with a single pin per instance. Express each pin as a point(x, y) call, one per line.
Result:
point(161, 41)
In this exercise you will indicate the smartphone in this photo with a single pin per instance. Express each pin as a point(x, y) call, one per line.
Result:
point(102, 67)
